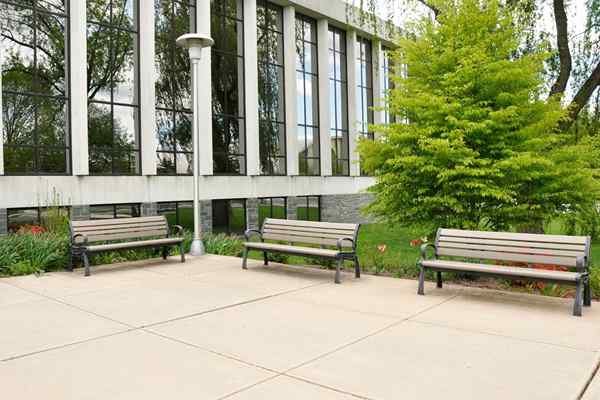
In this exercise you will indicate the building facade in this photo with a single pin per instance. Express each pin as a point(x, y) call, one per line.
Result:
point(96, 110)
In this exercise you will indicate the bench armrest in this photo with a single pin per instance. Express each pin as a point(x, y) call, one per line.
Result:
point(581, 264)
point(424, 248)
point(250, 232)
point(79, 235)
point(178, 228)
point(346, 239)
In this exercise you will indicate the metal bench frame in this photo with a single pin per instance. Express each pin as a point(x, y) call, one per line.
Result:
point(566, 251)
point(320, 233)
point(82, 234)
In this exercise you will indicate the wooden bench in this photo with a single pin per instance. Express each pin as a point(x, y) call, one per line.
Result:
point(519, 249)
point(326, 234)
point(97, 236)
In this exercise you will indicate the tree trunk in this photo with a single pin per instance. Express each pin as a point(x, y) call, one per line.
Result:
point(582, 97)
point(564, 53)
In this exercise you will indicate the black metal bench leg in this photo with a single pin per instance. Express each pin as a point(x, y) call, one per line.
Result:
point(356, 267)
point(245, 259)
point(165, 252)
point(421, 289)
point(70, 266)
point(578, 299)
point(338, 268)
point(86, 263)
point(439, 279)
point(587, 293)
point(182, 252)
point(266, 258)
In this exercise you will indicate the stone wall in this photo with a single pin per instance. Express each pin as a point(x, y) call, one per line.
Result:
point(3, 221)
point(149, 209)
point(252, 214)
point(205, 216)
point(345, 208)
point(292, 208)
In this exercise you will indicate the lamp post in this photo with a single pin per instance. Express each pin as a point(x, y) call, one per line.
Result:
point(195, 43)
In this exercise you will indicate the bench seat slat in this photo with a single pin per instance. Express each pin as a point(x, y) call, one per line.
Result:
point(143, 228)
point(139, 243)
point(152, 225)
point(514, 243)
point(526, 237)
point(303, 239)
point(305, 234)
point(339, 232)
point(124, 235)
point(511, 249)
point(559, 276)
point(292, 249)
point(493, 255)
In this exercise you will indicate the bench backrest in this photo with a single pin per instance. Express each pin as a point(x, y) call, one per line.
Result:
point(517, 247)
point(309, 232)
point(103, 230)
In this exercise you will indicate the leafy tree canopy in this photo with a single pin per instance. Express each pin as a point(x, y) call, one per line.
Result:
point(480, 148)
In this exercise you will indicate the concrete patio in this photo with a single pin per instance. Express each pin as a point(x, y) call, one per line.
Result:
point(208, 330)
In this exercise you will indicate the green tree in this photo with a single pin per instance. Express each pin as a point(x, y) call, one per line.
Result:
point(476, 152)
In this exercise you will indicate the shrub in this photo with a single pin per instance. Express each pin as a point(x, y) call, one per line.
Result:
point(595, 281)
point(223, 245)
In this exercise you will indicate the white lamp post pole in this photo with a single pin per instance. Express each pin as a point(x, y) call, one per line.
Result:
point(195, 42)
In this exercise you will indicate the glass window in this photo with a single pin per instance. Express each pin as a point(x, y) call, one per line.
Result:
point(386, 82)
point(229, 132)
point(173, 98)
point(109, 211)
point(178, 213)
point(338, 102)
point(113, 87)
point(19, 217)
point(364, 89)
point(229, 216)
point(272, 207)
point(307, 81)
point(35, 99)
point(309, 208)
point(271, 103)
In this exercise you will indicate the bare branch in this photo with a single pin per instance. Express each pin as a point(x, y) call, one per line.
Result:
point(583, 96)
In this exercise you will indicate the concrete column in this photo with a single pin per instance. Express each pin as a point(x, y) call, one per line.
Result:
point(78, 93)
point(3, 221)
point(149, 209)
point(378, 95)
point(292, 208)
point(80, 212)
point(291, 90)
point(149, 142)
point(352, 103)
point(346, 208)
point(252, 214)
point(251, 88)
point(205, 216)
point(205, 96)
point(324, 118)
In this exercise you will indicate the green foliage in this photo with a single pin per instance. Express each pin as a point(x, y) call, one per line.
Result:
point(481, 150)
point(223, 245)
point(33, 253)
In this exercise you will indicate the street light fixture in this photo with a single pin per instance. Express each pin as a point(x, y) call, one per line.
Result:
point(195, 43)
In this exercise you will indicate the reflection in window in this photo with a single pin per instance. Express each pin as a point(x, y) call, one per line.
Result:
point(173, 98)
point(178, 213)
point(307, 80)
point(113, 87)
point(309, 208)
point(110, 211)
point(271, 107)
point(229, 132)
point(364, 89)
point(338, 102)
point(229, 216)
point(272, 207)
point(22, 217)
point(386, 82)
point(35, 103)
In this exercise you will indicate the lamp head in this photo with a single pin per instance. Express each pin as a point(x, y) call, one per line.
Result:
point(195, 42)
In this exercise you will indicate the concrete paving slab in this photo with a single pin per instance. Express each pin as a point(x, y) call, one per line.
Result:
point(42, 324)
point(420, 361)
point(192, 266)
point(130, 366)
point(523, 316)
point(277, 333)
point(377, 295)
point(593, 390)
point(287, 388)
point(160, 299)
point(10, 295)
